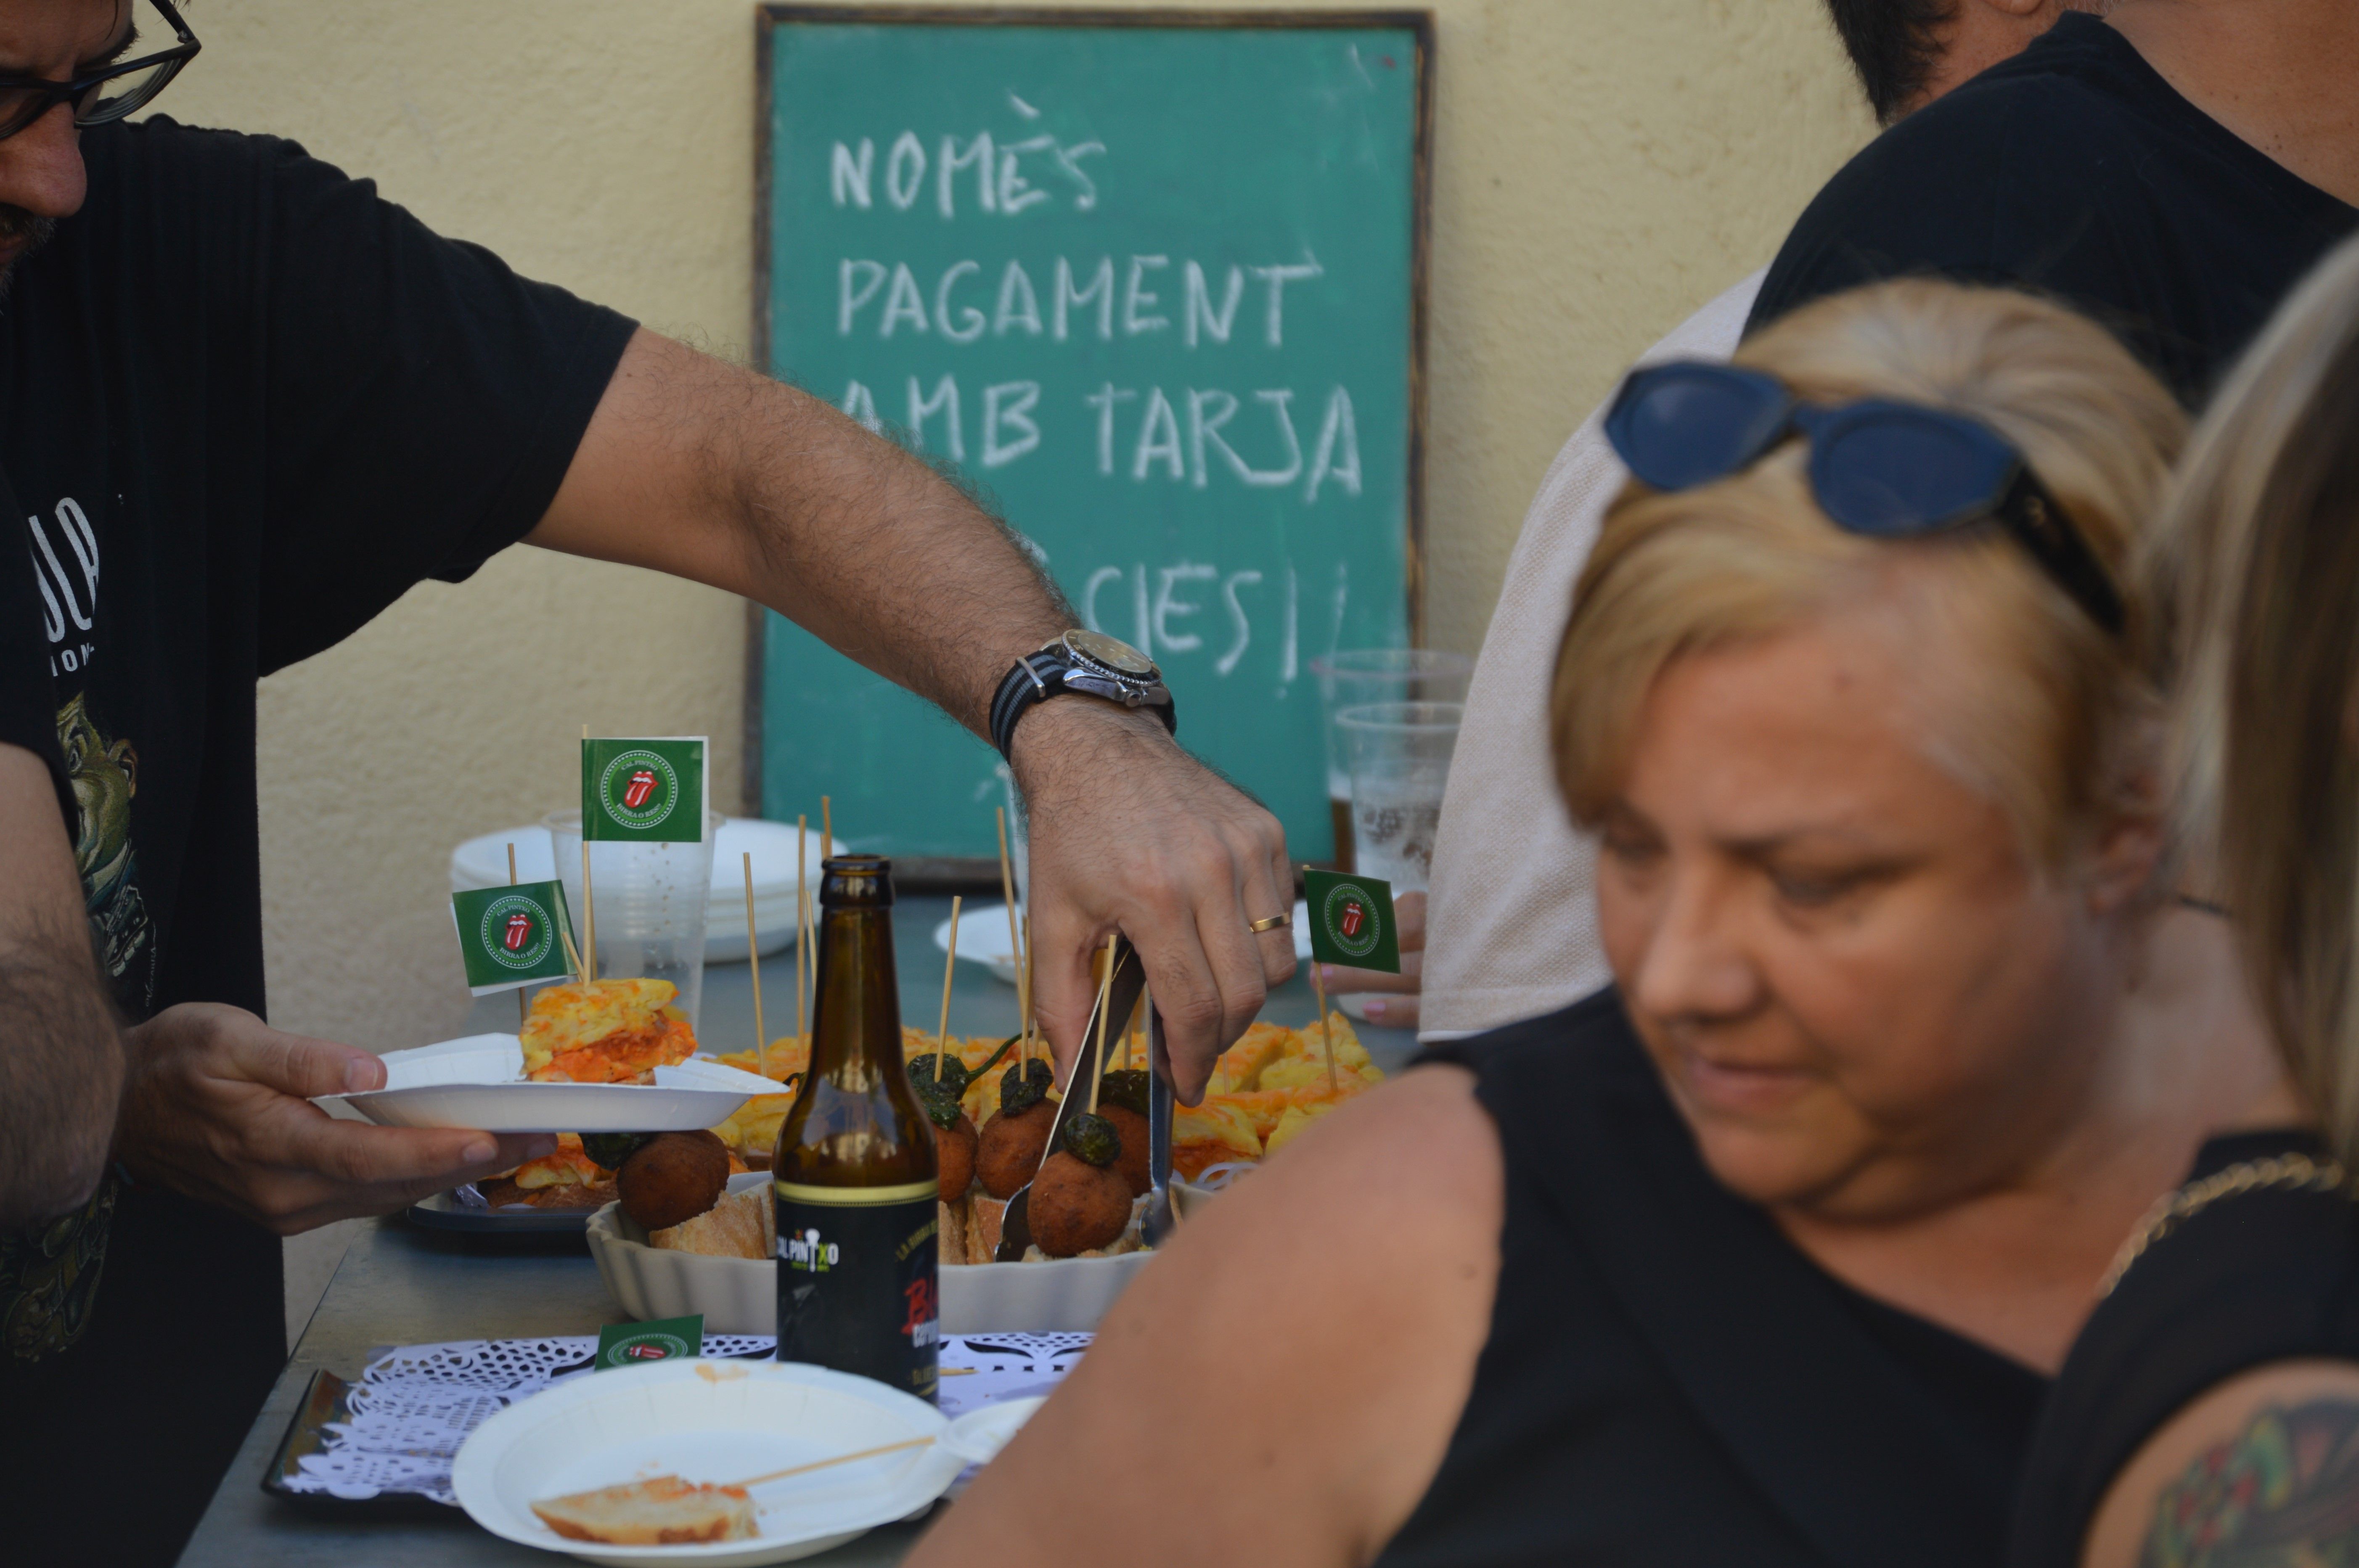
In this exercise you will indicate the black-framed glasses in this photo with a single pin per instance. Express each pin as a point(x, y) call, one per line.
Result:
point(105, 94)
point(1880, 468)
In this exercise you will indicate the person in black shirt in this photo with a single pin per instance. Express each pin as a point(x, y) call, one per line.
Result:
point(1763, 1256)
point(245, 404)
point(2209, 1412)
point(2170, 172)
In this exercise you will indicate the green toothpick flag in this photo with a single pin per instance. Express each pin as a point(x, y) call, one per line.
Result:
point(1352, 921)
point(645, 792)
point(512, 936)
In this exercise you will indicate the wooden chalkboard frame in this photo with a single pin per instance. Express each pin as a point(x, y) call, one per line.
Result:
point(1419, 23)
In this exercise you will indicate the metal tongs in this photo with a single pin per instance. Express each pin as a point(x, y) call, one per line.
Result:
point(1116, 997)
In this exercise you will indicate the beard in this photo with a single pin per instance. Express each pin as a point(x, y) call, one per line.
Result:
point(16, 225)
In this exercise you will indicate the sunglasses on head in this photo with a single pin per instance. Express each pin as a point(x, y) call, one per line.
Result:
point(1881, 468)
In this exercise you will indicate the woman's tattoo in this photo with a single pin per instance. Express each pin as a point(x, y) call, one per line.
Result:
point(2282, 1493)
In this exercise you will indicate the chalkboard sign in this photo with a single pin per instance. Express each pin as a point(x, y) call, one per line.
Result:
point(1153, 283)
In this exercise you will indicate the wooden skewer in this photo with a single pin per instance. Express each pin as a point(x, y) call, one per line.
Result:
point(1319, 989)
point(803, 837)
point(523, 1010)
point(826, 827)
point(572, 954)
point(950, 966)
point(754, 962)
point(838, 1459)
point(1106, 1006)
point(590, 915)
point(1007, 891)
point(1023, 1048)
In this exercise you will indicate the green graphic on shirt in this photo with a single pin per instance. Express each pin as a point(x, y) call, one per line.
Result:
point(105, 776)
point(644, 791)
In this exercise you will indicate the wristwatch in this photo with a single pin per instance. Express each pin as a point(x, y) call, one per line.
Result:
point(1088, 662)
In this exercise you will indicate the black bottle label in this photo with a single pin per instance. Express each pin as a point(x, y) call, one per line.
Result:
point(858, 1281)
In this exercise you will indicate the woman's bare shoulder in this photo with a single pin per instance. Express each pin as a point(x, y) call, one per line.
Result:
point(2263, 1467)
point(1293, 1363)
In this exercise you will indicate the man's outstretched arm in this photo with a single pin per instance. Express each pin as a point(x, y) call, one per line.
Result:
point(699, 469)
point(60, 1053)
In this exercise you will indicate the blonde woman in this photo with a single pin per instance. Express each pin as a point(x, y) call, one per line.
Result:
point(2211, 1411)
point(1765, 1255)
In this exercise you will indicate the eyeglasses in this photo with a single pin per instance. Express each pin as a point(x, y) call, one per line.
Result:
point(1879, 469)
point(104, 95)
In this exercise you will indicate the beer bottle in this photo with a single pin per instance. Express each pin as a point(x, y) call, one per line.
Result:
point(854, 1170)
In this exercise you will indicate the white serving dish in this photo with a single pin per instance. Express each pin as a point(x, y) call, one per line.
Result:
point(739, 1295)
point(982, 937)
point(714, 1422)
point(479, 1083)
point(483, 862)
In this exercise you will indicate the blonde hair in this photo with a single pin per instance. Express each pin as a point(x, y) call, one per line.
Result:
point(2254, 568)
point(2053, 721)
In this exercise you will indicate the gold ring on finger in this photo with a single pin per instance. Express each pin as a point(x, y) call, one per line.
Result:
point(1272, 922)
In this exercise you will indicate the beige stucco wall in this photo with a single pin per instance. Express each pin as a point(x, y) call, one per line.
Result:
point(1603, 167)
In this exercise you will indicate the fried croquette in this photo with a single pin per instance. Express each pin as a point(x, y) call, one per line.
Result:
point(673, 1177)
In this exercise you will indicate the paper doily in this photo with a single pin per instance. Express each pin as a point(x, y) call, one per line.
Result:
point(416, 1404)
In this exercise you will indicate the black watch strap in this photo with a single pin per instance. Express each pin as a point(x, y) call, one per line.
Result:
point(1034, 679)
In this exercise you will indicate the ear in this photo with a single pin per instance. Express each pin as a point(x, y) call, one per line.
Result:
point(2122, 863)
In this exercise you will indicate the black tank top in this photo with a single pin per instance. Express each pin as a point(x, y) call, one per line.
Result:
point(1669, 1381)
point(2267, 1275)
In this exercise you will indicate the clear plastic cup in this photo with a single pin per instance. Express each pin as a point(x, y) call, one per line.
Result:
point(651, 903)
point(1356, 677)
point(1399, 761)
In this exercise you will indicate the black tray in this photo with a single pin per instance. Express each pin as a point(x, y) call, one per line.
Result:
point(442, 1212)
point(324, 1402)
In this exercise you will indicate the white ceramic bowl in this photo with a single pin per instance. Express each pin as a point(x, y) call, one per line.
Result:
point(708, 1420)
point(739, 1295)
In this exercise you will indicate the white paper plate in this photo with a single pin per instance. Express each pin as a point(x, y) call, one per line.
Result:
point(478, 1082)
point(982, 937)
point(739, 1295)
point(979, 1435)
point(483, 862)
point(716, 1422)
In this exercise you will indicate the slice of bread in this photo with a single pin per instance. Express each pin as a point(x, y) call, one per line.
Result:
point(952, 1220)
point(666, 1511)
point(984, 1215)
point(739, 1225)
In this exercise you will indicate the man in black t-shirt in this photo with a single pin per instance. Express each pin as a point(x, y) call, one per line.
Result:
point(244, 405)
point(2170, 170)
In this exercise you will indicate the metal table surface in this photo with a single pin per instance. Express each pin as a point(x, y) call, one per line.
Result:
point(400, 1285)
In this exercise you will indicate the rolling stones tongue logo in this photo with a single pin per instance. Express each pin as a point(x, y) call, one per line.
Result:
point(519, 931)
point(1355, 915)
point(640, 790)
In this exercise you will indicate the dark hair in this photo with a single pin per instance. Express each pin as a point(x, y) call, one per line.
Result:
point(1893, 45)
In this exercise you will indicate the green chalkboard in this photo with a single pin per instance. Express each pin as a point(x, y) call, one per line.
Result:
point(1153, 283)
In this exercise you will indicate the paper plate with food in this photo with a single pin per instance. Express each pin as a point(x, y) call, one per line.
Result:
point(599, 1057)
point(718, 1463)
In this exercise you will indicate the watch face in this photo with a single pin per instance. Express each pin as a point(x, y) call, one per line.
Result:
point(1112, 651)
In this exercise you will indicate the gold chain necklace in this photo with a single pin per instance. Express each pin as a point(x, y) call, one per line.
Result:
point(2297, 1172)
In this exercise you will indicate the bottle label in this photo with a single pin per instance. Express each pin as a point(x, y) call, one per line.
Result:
point(858, 1281)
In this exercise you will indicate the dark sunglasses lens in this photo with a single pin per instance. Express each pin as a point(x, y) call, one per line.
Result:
point(1682, 427)
point(1897, 473)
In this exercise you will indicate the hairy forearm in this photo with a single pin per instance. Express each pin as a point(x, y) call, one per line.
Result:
point(699, 467)
point(60, 1077)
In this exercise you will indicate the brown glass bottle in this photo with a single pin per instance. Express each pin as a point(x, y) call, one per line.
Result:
point(854, 1176)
